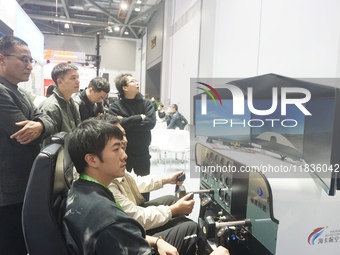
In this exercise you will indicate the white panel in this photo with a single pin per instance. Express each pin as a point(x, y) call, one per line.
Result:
point(184, 64)
point(28, 31)
point(300, 38)
point(206, 54)
point(181, 6)
point(236, 38)
point(7, 12)
point(167, 53)
point(297, 38)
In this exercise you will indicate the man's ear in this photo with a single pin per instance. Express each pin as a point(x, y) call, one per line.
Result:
point(125, 88)
point(92, 160)
point(59, 80)
point(90, 89)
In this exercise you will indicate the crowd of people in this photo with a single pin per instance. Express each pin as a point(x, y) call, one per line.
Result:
point(117, 216)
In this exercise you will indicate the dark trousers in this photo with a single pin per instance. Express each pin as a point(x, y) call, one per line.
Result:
point(141, 166)
point(11, 236)
point(164, 200)
point(183, 236)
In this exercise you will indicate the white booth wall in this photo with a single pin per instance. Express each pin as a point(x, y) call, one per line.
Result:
point(245, 38)
point(181, 52)
point(296, 38)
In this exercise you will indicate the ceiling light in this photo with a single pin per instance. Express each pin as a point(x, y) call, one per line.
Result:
point(137, 9)
point(123, 6)
point(67, 26)
point(126, 32)
point(138, 2)
point(116, 28)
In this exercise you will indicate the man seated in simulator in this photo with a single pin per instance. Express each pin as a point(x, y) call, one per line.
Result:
point(93, 222)
point(157, 214)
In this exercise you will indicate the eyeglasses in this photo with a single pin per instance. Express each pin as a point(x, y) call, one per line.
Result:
point(25, 59)
point(133, 81)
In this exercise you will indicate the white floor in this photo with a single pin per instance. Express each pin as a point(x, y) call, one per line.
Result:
point(191, 184)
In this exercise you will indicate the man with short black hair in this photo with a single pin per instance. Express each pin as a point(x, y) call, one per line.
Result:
point(91, 99)
point(175, 119)
point(155, 215)
point(60, 106)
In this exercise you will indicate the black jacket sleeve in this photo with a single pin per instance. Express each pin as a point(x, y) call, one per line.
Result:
point(149, 121)
point(135, 121)
point(13, 111)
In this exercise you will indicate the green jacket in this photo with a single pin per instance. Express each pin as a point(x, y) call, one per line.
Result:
point(65, 115)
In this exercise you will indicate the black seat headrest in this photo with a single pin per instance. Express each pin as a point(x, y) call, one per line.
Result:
point(62, 138)
point(45, 193)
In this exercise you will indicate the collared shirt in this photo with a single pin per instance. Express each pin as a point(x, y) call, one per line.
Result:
point(127, 191)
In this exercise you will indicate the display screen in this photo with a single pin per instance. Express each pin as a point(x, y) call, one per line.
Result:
point(276, 132)
point(220, 123)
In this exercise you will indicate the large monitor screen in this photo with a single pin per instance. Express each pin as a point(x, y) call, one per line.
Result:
point(312, 137)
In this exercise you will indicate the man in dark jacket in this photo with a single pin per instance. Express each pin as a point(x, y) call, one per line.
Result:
point(138, 118)
point(175, 119)
point(22, 126)
point(91, 99)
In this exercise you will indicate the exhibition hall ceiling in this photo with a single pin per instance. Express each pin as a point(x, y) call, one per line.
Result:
point(87, 18)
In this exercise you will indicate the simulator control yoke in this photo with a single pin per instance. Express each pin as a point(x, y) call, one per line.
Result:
point(181, 192)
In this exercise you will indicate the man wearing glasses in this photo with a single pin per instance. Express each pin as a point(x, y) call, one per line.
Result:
point(22, 126)
point(137, 117)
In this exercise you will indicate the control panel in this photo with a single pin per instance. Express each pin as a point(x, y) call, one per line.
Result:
point(238, 212)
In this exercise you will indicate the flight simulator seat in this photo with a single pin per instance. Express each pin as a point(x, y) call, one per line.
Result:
point(47, 187)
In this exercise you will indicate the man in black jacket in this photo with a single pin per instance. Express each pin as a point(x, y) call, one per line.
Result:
point(22, 127)
point(91, 99)
point(138, 118)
